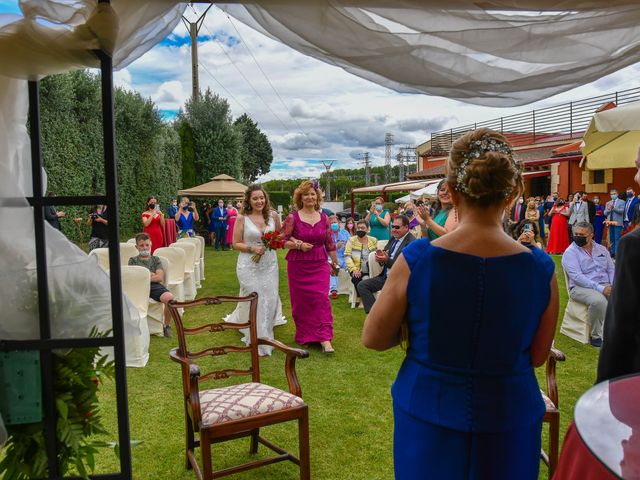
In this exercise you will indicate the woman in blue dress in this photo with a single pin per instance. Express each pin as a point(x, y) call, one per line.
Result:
point(598, 220)
point(185, 217)
point(466, 401)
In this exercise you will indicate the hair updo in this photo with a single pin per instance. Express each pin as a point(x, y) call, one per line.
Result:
point(481, 167)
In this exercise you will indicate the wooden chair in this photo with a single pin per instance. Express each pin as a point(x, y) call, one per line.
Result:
point(226, 413)
point(552, 413)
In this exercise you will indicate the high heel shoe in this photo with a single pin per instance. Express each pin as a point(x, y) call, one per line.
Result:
point(327, 348)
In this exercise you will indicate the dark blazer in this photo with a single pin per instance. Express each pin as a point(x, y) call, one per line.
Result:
point(406, 241)
point(591, 209)
point(51, 217)
point(216, 214)
point(523, 209)
point(632, 206)
point(620, 354)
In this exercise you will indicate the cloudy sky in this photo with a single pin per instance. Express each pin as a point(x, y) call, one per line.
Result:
point(311, 111)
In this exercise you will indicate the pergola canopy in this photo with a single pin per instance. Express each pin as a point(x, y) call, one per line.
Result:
point(219, 186)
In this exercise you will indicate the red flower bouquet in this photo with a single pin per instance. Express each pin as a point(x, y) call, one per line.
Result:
point(270, 241)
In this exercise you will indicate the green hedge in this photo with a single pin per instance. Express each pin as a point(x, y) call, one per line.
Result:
point(148, 150)
point(280, 198)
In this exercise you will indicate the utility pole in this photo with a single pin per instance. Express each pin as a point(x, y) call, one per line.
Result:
point(388, 142)
point(400, 160)
point(327, 167)
point(367, 168)
point(194, 28)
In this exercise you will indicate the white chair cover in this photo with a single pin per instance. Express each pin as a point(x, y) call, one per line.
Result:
point(344, 280)
point(155, 315)
point(175, 276)
point(202, 245)
point(131, 240)
point(127, 251)
point(135, 287)
point(381, 244)
point(575, 323)
point(102, 254)
point(189, 266)
point(196, 257)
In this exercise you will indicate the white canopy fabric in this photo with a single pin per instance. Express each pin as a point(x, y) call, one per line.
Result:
point(499, 53)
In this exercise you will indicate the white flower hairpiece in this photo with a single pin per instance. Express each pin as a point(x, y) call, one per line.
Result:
point(477, 149)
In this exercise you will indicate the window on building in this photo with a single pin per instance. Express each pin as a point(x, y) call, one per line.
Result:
point(598, 177)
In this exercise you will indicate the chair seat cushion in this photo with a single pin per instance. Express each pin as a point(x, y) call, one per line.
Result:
point(219, 405)
point(548, 404)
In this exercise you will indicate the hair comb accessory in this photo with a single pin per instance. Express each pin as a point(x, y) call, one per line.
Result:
point(477, 149)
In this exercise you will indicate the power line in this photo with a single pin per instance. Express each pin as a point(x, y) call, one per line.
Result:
point(246, 46)
point(243, 75)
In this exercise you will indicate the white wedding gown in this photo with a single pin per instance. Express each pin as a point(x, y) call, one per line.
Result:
point(262, 278)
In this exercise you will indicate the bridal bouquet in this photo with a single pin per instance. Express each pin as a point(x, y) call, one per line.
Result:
point(270, 241)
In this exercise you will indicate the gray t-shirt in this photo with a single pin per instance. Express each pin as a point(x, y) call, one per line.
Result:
point(151, 263)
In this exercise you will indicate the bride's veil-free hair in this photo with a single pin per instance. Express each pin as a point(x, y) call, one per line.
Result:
point(246, 201)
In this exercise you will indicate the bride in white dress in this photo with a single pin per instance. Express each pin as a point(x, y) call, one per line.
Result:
point(256, 219)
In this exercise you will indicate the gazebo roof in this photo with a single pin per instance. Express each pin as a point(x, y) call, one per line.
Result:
point(219, 186)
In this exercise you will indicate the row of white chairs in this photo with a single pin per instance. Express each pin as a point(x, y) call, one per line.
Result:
point(183, 266)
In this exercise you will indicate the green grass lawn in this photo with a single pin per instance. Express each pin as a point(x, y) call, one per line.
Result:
point(347, 393)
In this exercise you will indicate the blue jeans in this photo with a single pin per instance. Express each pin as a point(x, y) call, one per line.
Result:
point(614, 237)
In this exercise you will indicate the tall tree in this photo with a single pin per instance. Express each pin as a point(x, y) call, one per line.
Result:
point(217, 144)
point(257, 154)
point(188, 154)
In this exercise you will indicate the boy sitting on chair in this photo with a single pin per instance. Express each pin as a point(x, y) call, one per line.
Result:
point(158, 292)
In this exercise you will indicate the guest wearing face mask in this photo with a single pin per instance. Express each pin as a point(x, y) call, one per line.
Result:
point(340, 237)
point(518, 211)
point(598, 219)
point(614, 214)
point(558, 233)
point(153, 223)
point(186, 216)
point(415, 220)
point(591, 272)
point(219, 218)
point(350, 226)
point(357, 250)
point(379, 219)
point(630, 204)
point(172, 209)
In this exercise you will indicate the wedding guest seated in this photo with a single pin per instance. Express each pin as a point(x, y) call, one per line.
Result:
point(590, 270)
point(340, 238)
point(158, 292)
point(401, 238)
point(356, 252)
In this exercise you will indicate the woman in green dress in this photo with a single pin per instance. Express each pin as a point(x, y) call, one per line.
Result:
point(445, 216)
point(379, 219)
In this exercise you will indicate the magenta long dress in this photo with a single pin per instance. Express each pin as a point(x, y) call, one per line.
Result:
point(233, 214)
point(308, 274)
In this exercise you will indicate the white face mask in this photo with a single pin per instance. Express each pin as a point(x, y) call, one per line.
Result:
point(144, 253)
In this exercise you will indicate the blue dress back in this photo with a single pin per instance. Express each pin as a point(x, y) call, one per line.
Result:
point(471, 324)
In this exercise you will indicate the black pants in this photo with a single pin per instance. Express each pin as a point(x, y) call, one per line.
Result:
point(367, 287)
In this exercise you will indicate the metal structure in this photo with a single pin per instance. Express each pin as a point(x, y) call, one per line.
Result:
point(45, 345)
point(409, 159)
point(560, 122)
point(367, 168)
point(327, 167)
point(194, 29)
point(388, 143)
point(400, 160)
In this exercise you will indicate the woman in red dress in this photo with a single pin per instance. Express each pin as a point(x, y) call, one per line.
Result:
point(233, 214)
point(153, 223)
point(559, 229)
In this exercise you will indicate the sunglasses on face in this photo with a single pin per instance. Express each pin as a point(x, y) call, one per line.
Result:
point(396, 227)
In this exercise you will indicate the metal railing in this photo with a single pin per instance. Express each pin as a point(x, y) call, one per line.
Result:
point(557, 123)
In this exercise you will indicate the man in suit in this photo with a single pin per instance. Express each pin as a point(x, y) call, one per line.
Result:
point(401, 238)
point(579, 212)
point(518, 211)
point(591, 207)
point(52, 214)
point(614, 213)
point(219, 217)
point(620, 353)
point(630, 204)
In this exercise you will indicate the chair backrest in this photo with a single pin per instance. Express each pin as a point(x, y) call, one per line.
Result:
point(136, 283)
point(127, 250)
point(189, 254)
point(131, 240)
point(202, 245)
point(102, 254)
point(166, 268)
point(382, 244)
point(196, 243)
point(566, 280)
point(375, 268)
point(209, 328)
point(175, 257)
